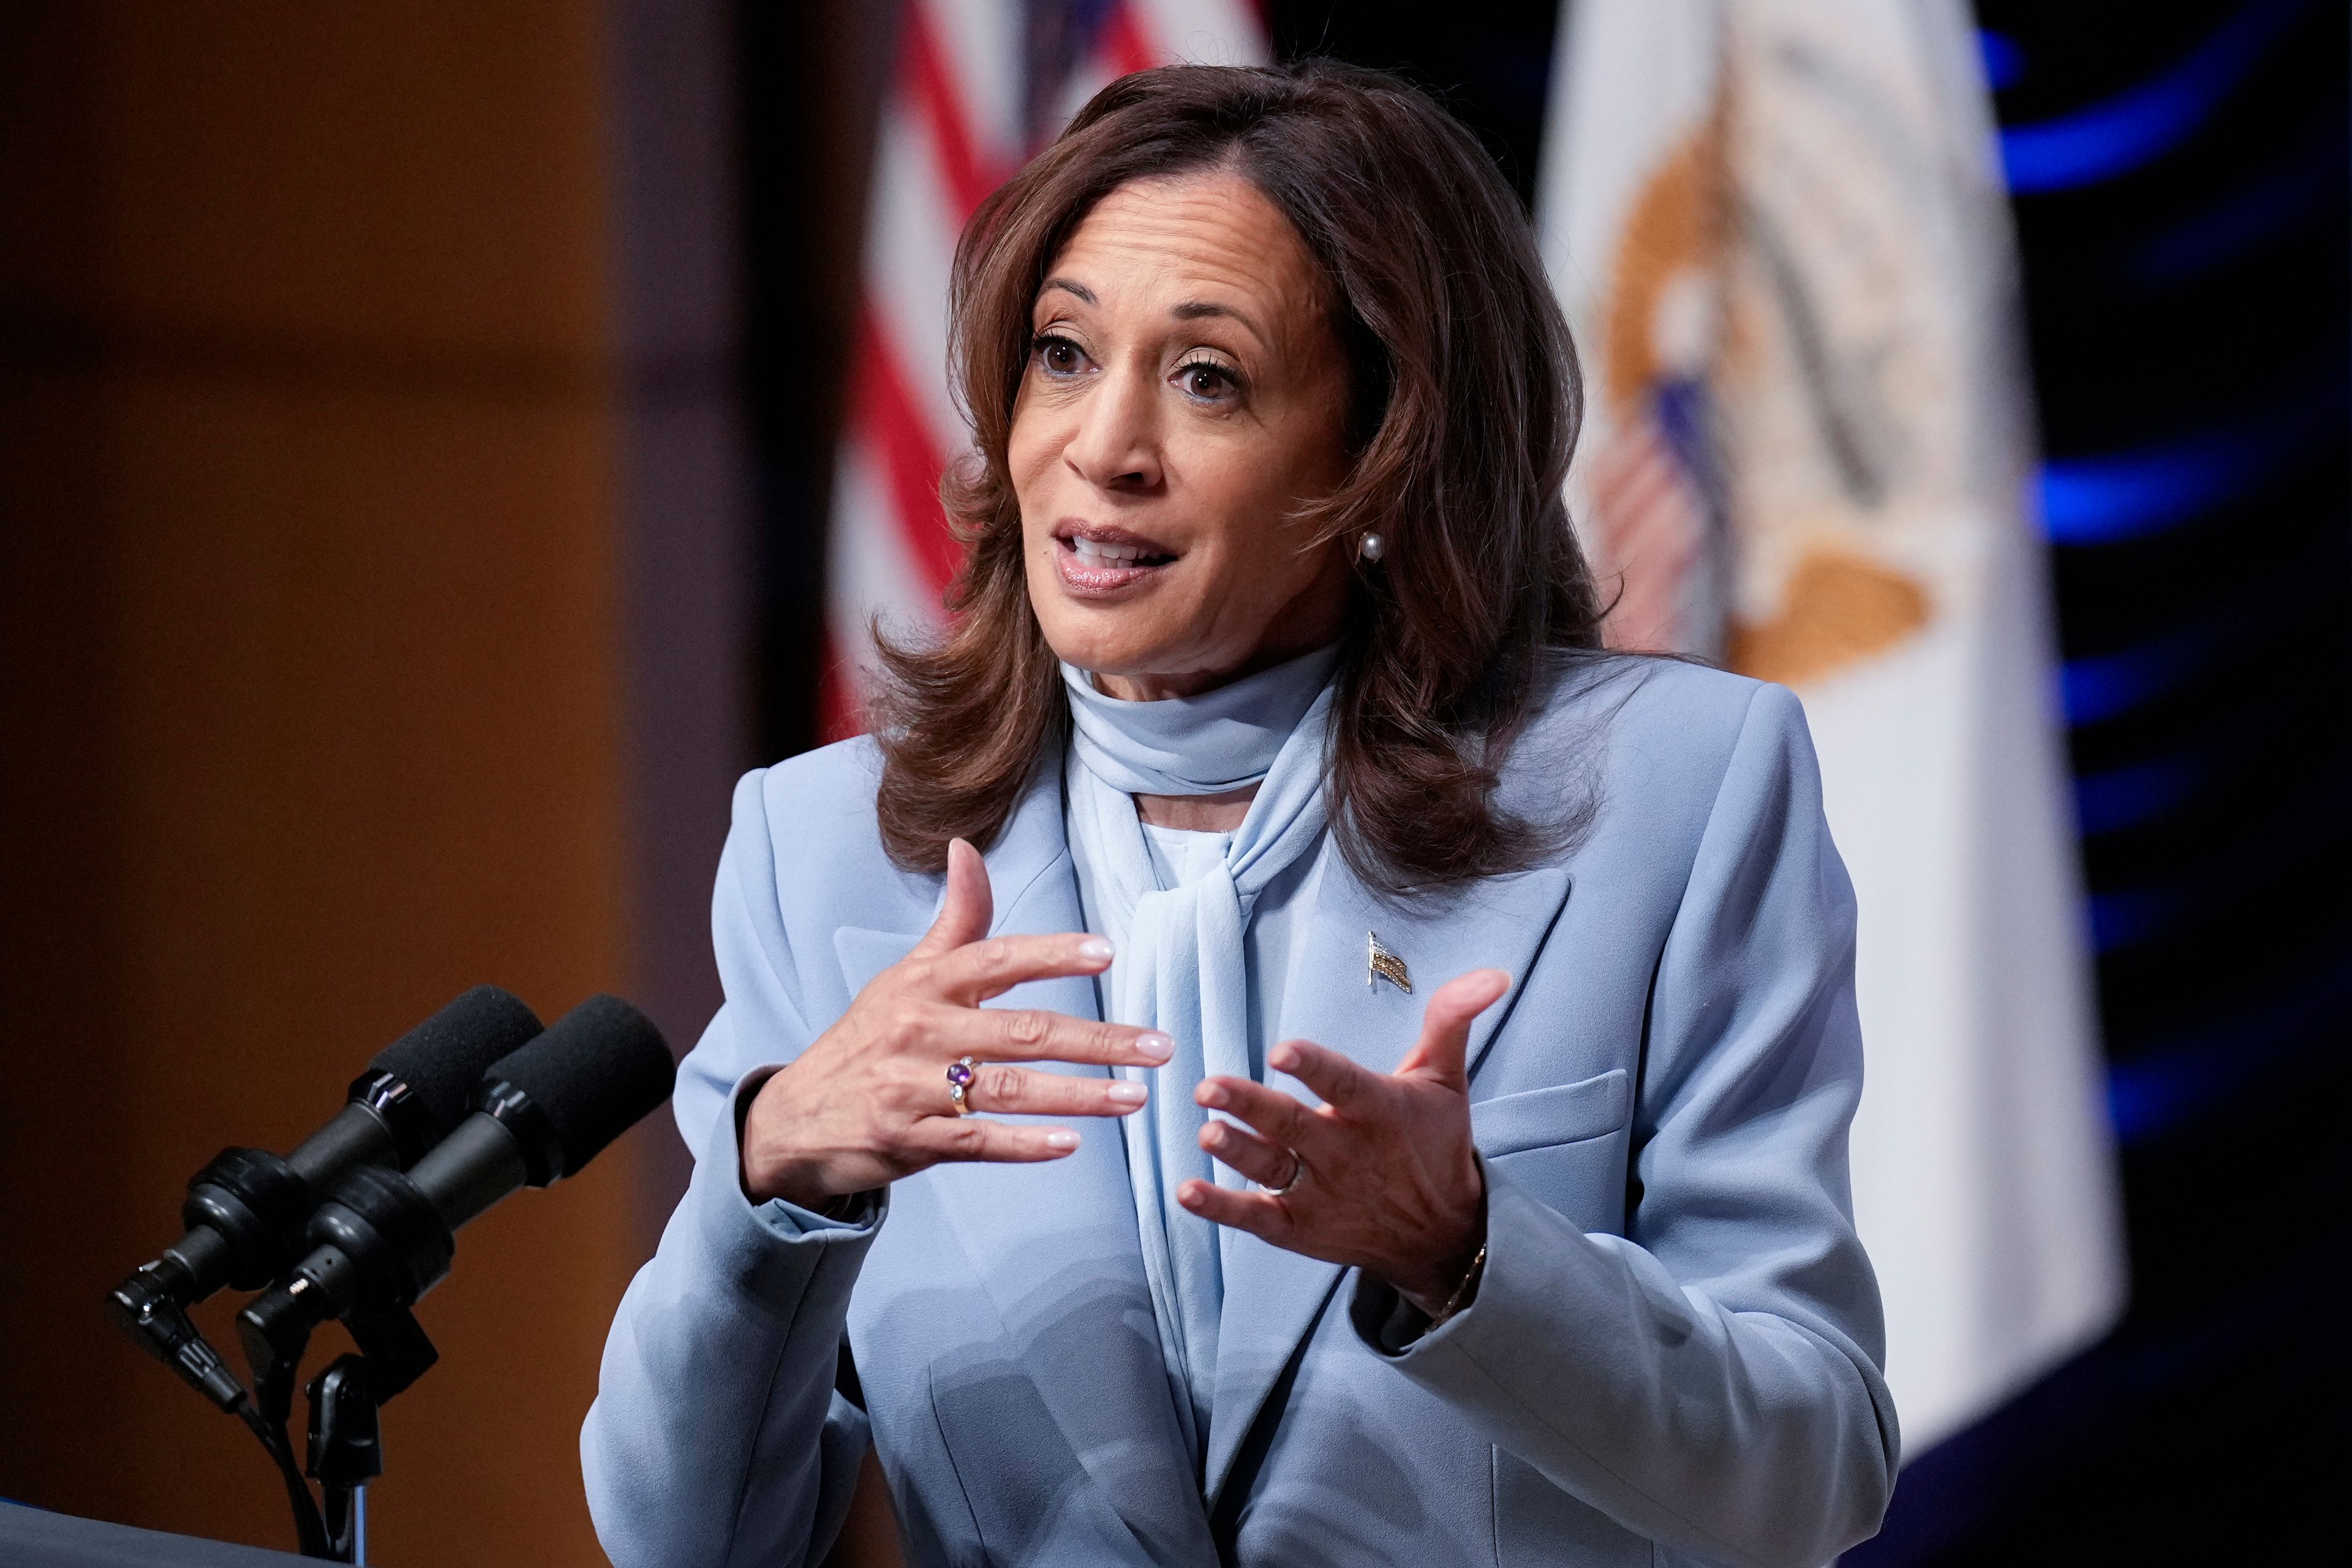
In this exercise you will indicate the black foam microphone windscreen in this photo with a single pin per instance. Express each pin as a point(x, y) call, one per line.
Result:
point(443, 1060)
point(385, 1239)
point(248, 1211)
point(595, 1073)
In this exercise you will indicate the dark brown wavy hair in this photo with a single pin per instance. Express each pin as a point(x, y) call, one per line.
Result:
point(1466, 399)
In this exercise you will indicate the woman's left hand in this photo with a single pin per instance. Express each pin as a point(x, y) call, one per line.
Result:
point(1381, 1176)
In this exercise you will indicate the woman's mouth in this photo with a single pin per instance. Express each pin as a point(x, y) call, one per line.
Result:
point(1095, 561)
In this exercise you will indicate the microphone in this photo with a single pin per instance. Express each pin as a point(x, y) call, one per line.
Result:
point(385, 1238)
point(245, 1211)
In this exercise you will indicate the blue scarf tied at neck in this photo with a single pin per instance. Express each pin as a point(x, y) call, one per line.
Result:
point(1180, 966)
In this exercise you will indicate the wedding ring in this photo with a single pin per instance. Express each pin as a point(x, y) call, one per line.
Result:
point(960, 1085)
point(1298, 1174)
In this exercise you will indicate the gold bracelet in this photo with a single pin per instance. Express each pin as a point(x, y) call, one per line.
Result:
point(1469, 1275)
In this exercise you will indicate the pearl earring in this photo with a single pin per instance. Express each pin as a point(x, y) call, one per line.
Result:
point(1371, 547)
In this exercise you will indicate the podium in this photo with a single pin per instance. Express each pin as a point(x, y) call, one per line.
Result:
point(31, 1538)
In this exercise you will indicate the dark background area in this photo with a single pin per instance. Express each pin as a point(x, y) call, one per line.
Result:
point(2188, 326)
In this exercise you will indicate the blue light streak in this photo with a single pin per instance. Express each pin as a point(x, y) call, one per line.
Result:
point(2245, 219)
point(2004, 62)
point(2099, 687)
point(2100, 501)
point(2107, 685)
point(2141, 124)
point(2266, 850)
point(2173, 1084)
point(2126, 797)
point(2139, 914)
point(2129, 495)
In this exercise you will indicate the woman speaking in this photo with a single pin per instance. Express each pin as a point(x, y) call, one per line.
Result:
point(1278, 1049)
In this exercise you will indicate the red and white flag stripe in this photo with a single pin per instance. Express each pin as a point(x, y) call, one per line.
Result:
point(952, 133)
point(1648, 520)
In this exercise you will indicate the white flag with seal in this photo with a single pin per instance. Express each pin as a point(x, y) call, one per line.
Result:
point(1779, 230)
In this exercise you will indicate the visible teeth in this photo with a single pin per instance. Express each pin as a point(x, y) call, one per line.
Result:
point(1104, 552)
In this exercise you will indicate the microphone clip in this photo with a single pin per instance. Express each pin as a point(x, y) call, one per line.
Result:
point(147, 1307)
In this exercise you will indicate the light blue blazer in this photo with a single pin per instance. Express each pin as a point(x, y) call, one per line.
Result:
point(1673, 1353)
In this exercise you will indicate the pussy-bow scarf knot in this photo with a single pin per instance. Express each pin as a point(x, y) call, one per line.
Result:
point(1180, 966)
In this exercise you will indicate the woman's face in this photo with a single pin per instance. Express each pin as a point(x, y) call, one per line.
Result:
point(1185, 394)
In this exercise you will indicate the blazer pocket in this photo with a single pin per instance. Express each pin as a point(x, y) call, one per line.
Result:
point(1564, 1146)
point(1561, 1114)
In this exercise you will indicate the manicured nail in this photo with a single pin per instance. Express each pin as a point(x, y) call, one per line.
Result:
point(1095, 949)
point(1124, 1093)
point(1210, 1094)
point(1061, 1140)
point(1282, 1057)
point(1155, 1045)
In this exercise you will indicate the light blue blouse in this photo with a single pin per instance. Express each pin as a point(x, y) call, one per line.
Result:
point(1178, 856)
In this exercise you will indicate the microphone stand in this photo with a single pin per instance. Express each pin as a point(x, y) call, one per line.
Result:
point(345, 1453)
point(346, 1449)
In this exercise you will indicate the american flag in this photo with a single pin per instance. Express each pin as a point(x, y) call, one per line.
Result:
point(1646, 513)
point(977, 86)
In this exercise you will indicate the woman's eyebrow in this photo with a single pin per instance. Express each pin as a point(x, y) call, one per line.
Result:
point(1189, 311)
point(1195, 309)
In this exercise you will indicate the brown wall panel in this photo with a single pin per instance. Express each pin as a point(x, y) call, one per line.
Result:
point(413, 178)
point(314, 692)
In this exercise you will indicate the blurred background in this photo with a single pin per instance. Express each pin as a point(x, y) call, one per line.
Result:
point(442, 445)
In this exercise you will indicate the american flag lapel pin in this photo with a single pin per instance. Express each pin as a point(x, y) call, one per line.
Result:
point(1385, 965)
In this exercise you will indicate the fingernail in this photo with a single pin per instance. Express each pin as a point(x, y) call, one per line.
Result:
point(1282, 1057)
point(1155, 1045)
point(1059, 1138)
point(1210, 1094)
point(1125, 1094)
point(1096, 948)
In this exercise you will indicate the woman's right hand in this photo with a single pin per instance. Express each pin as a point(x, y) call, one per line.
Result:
point(867, 1102)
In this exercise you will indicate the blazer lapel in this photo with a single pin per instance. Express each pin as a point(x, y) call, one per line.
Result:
point(1047, 1238)
point(1273, 1296)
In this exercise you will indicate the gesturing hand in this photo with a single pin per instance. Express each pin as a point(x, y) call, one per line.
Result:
point(868, 1101)
point(1382, 1176)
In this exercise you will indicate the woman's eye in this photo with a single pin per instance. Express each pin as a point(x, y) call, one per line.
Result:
point(1059, 356)
point(1204, 379)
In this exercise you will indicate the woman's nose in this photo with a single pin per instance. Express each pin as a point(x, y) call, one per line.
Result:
point(1116, 445)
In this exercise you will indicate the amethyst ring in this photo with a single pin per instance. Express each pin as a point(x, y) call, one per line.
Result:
point(960, 1076)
